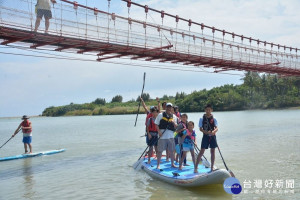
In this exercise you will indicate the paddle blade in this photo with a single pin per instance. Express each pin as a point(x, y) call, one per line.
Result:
point(205, 163)
point(138, 164)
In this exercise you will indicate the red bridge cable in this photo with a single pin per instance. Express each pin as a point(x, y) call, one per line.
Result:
point(165, 29)
point(213, 28)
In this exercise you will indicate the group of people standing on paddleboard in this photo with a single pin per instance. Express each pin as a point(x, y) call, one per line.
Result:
point(169, 130)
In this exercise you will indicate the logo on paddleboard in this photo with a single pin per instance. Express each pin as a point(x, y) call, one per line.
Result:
point(232, 186)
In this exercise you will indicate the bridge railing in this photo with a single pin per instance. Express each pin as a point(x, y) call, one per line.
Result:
point(90, 24)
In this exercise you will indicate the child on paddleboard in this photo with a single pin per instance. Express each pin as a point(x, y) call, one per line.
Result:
point(149, 114)
point(27, 133)
point(208, 126)
point(182, 126)
point(152, 133)
point(189, 138)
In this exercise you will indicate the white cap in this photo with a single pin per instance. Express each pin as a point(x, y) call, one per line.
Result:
point(169, 104)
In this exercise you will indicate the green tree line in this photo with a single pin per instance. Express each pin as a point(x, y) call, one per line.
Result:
point(257, 92)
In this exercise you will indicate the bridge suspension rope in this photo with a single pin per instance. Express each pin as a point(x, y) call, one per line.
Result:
point(85, 30)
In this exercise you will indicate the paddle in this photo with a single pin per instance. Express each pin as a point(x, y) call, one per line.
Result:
point(231, 173)
point(137, 165)
point(140, 99)
point(10, 138)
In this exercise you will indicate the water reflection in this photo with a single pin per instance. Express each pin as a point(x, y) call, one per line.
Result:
point(161, 190)
point(211, 192)
point(28, 176)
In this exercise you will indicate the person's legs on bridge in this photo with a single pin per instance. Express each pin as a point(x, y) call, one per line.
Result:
point(37, 23)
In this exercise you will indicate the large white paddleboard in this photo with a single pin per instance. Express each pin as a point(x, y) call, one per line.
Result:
point(32, 155)
point(185, 177)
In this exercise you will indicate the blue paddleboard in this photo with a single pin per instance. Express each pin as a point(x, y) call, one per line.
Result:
point(32, 155)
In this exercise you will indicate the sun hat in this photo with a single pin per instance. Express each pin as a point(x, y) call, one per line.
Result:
point(25, 117)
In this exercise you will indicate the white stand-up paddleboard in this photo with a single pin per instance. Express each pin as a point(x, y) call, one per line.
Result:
point(185, 177)
point(32, 155)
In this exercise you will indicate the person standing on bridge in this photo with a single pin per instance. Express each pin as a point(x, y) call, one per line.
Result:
point(27, 133)
point(43, 8)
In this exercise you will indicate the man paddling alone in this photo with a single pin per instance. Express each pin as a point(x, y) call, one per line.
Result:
point(27, 133)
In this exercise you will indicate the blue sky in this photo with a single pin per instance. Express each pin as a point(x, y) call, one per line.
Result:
point(30, 84)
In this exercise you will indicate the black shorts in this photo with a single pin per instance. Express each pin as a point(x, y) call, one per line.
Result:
point(46, 13)
point(176, 140)
point(153, 141)
point(209, 141)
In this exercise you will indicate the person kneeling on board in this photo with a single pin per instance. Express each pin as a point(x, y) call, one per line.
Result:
point(27, 133)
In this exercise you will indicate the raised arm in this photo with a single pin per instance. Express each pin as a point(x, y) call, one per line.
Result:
point(144, 105)
point(158, 104)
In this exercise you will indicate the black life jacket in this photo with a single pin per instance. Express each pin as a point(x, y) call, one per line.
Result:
point(166, 122)
point(208, 123)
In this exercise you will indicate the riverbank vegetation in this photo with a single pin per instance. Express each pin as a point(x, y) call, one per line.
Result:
point(257, 92)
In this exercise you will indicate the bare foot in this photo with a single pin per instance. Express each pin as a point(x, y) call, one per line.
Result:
point(174, 166)
point(196, 171)
point(149, 162)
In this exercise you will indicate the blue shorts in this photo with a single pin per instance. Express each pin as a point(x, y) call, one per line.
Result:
point(178, 148)
point(209, 141)
point(187, 146)
point(27, 139)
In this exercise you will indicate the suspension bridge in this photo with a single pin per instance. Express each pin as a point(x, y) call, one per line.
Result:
point(81, 29)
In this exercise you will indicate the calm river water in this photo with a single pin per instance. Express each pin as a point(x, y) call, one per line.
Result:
point(261, 148)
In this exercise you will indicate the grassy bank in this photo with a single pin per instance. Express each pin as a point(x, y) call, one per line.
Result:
point(257, 92)
point(95, 109)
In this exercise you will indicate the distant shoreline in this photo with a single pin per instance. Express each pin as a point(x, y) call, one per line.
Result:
point(36, 116)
